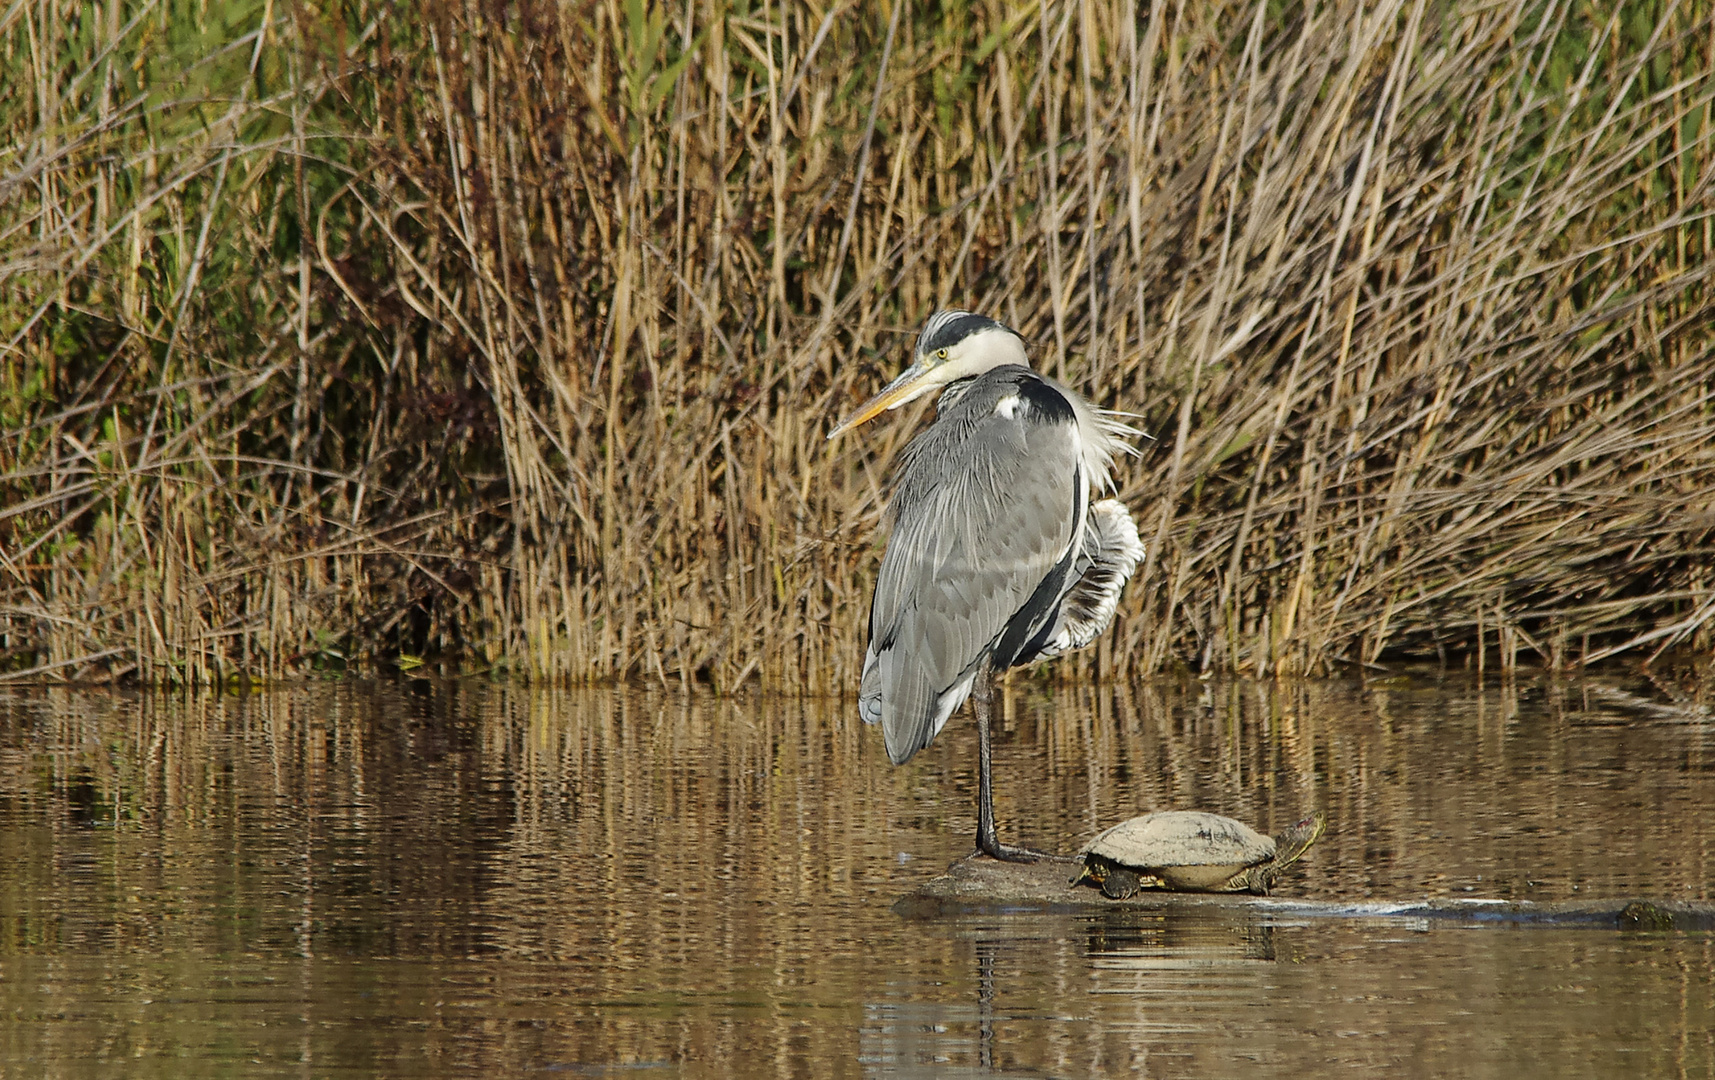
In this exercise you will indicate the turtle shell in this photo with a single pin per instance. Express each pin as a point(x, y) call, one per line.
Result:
point(1186, 849)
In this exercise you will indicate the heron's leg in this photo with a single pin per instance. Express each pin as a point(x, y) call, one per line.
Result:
point(982, 699)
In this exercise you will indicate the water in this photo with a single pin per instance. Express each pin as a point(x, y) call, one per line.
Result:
point(445, 878)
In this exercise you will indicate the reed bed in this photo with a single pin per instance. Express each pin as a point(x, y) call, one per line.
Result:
point(511, 333)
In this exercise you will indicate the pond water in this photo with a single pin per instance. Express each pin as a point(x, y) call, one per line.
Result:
point(429, 878)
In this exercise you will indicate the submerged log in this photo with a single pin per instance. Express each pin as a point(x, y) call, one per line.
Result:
point(978, 884)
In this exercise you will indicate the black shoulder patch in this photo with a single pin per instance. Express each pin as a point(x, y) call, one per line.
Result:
point(1049, 403)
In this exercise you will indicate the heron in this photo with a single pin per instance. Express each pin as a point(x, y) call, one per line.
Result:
point(998, 557)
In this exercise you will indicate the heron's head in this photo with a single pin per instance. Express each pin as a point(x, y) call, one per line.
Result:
point(954, 345)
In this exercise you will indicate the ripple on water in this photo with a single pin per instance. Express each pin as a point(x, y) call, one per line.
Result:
point(373, 878)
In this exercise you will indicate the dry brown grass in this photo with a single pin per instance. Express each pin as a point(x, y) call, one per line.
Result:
point(516, 330)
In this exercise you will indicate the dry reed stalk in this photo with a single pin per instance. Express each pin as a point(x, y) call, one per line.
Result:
point(514, 331)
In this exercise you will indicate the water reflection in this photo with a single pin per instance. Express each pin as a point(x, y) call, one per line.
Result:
point(432, 877)
point(1148, 941)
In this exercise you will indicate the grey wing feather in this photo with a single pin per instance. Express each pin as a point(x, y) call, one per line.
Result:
point(972, 539)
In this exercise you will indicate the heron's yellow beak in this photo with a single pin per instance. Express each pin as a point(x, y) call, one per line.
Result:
point(912, 384)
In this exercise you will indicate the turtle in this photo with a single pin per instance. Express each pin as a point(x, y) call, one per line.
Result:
point(1191, 851)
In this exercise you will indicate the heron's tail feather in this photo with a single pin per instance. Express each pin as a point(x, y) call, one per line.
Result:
point(1110, 554)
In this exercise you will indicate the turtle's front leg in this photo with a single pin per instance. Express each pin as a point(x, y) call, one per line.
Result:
point(1121, 884)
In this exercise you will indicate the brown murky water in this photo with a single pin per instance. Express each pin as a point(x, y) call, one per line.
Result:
point(446, 878)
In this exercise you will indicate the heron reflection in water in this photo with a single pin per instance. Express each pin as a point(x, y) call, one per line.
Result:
point(998, 555)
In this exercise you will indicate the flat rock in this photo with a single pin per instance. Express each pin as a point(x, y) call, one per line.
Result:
point(979, 884)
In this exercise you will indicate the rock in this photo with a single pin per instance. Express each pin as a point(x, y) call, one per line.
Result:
point(978, 884)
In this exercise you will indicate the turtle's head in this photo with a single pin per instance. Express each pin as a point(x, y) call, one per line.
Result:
point(1095, 871)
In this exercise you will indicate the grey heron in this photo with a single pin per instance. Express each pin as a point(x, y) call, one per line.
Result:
point(998, 556)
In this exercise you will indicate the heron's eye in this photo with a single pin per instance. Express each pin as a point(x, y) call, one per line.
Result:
point(942, 353)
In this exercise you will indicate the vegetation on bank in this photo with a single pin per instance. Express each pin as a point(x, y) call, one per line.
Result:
point(350, 332)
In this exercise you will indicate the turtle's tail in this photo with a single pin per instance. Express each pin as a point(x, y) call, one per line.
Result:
point(1291, 845)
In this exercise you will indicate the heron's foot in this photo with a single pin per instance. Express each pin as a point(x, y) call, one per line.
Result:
point(994, 849)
